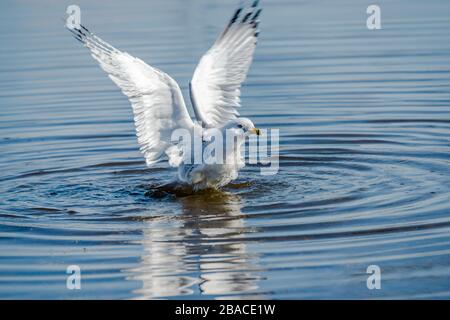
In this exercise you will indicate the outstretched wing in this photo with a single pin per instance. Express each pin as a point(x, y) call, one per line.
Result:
point(157, 102)
point(215, 87)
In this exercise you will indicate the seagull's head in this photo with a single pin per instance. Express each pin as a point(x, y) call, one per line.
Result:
point(242, 127)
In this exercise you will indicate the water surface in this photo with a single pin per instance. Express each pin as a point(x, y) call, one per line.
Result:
point(364, 119)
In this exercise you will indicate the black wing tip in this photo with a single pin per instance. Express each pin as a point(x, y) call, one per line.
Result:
point(249, 16)
point(85, 29)
point(257, 14)
point(79, 29)
point(238, 12)
point(236, 15)
point(246, 17)
point(77, 37)
point(78, 34)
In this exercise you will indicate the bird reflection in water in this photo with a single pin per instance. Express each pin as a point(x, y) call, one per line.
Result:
point(201, 251)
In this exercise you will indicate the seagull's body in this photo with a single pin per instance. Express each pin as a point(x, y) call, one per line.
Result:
point(159, 108)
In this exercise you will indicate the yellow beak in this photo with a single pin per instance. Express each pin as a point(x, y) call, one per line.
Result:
point(255, 131)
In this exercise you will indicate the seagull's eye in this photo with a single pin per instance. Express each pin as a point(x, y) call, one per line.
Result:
point(240, 126)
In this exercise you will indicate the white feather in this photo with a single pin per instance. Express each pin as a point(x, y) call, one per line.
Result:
point(156, 98)
point(215, 86)
point(158, 104)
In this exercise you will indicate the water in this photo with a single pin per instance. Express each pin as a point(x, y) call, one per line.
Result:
point(364, 121)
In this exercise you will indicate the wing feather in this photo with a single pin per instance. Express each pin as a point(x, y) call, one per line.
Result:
point(156, 98)
point(215, 87)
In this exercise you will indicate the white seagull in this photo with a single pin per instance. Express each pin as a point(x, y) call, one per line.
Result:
point(159, 107)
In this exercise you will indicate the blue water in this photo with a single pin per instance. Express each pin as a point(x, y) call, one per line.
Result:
point(364, 120)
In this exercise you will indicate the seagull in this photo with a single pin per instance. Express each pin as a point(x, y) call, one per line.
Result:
point(159, 108)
